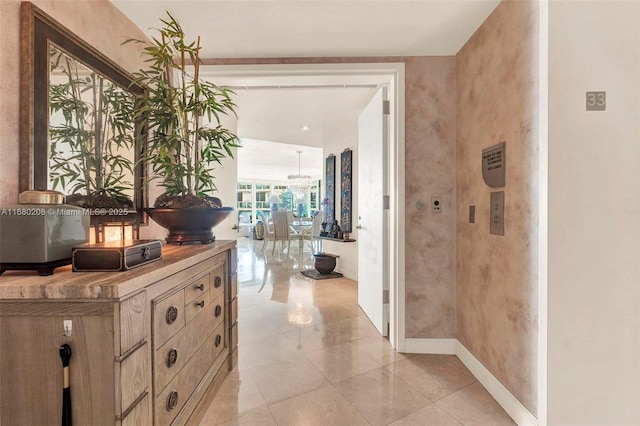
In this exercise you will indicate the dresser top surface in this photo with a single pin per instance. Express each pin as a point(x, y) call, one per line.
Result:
point(66, 284)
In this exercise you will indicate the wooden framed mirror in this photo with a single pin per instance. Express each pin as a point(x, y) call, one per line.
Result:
point(77, 133)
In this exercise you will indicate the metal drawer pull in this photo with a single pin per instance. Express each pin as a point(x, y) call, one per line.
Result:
point(200, 303)
point(218, 282)
point(172, 357)
point(172, 400)
point(200, 287)
point(218, 340)
point(172, 314)
point(218, 310)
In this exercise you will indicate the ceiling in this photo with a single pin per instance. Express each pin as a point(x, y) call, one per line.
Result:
point(275, 109)
point(318, 28)
point(280, 114)
point(269, 161)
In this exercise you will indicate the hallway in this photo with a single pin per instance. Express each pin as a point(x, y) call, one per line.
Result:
point(309, 356)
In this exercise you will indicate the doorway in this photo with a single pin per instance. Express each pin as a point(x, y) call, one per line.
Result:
point(379, 74)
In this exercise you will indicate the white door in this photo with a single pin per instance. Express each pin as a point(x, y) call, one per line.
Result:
point(372, 216)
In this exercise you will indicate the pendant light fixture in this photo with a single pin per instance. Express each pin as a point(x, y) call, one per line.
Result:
point(299, 184)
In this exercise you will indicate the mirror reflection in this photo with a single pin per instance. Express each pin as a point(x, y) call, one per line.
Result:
point(91, 155)
point(77, 132)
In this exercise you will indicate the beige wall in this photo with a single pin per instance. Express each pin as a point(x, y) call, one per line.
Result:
point(594, 215)
point(98, 22)
point(496, 275)
point(429, 170)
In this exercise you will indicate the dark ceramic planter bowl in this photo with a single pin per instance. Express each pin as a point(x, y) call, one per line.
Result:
point(323, 263)
point(189, 225)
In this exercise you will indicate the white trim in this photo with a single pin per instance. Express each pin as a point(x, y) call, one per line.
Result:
point(397, 337)
point(498, 391)
point(430, 346)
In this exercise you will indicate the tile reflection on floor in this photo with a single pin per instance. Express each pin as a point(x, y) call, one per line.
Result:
point(309, 356)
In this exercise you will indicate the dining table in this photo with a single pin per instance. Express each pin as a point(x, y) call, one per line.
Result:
point(301, 227)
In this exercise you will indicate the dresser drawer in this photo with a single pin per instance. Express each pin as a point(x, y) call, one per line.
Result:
point(134, 377)
point(218, 311)
point(233, 260)
point(217, 281)
point(233, 287)
point(171, 400)
point(140, 415)
point(233, 311)
point(196, 306)
point(233, 336)
point(169, 359)
point(218, 341)
point(196, 288)
point(168, 317)
point(233, 358)
point(133, 321)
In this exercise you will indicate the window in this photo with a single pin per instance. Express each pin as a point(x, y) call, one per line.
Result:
point(254, 198)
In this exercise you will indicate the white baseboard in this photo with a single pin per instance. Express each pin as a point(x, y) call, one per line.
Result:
point(430, 346)
point(347, 273)
point(500, 393)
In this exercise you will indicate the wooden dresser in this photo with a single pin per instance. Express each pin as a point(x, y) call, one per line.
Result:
point(147, 344)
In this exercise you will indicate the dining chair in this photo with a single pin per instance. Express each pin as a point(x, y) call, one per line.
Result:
point(244, 224)
point(312, 235)
point(268, 230)
point(290, 219)
point(281, 231)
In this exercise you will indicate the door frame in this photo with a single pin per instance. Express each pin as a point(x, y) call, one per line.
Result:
point(391, 74)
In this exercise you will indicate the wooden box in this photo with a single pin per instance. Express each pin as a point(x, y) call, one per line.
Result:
point(115, 255)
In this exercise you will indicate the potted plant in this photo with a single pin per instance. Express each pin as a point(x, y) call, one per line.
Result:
point(91, 133)
point(181, 147)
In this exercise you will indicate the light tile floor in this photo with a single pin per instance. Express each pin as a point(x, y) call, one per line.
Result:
point(310, 356)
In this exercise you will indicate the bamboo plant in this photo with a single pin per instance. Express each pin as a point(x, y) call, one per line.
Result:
point(181, 147)
point(91, 135)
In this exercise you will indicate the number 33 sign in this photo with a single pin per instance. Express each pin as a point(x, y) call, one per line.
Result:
point(596, 101)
